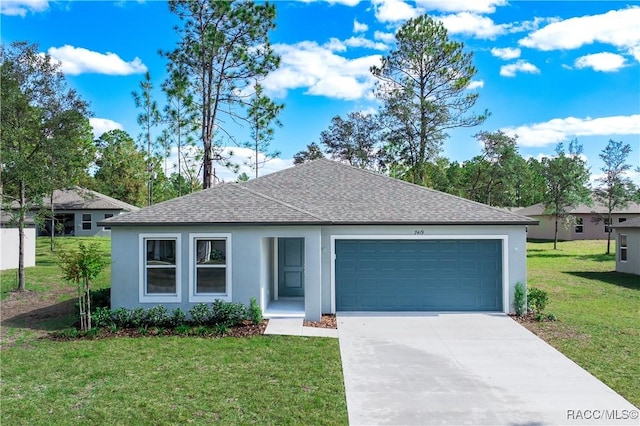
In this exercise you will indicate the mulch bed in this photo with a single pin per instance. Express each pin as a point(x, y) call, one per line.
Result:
point(248, 329)
point(327, 321)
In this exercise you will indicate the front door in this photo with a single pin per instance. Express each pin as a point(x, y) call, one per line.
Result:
point(290, 267)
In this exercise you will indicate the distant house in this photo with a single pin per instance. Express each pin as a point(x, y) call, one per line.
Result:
point(628, 246)
point(586, 222)
point(9, 243)
point(78, 211)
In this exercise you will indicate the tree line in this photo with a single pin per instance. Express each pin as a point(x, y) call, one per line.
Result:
point(214, 82)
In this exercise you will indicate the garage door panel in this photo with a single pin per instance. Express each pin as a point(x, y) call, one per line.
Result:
point(418, 275)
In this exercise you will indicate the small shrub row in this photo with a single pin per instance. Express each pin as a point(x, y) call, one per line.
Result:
point(219, 314)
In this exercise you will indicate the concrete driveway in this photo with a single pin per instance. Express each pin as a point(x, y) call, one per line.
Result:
point(478, 369)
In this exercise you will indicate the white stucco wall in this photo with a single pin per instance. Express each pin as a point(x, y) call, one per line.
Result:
point(9, 243)
point(632, 264)
point(252, 259)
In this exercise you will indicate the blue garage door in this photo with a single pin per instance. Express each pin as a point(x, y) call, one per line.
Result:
point(418, 275)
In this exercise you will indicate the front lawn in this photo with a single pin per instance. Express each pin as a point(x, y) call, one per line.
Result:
point(174, 380)
point(598, 310)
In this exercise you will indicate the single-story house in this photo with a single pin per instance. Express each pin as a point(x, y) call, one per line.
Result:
point(322, 237)
point(9, 243)
point(584, 223)
point(78, 210)
point(628, 246)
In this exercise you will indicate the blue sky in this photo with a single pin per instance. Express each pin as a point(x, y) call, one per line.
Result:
point(548, 71)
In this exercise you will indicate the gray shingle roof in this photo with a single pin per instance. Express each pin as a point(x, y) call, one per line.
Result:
point(76, 198)
point(320, 192)
point(599, 208)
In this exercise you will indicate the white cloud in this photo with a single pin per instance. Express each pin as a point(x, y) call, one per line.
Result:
point(511, 70)
point(77, 60)
point(359, 27)
point(616, 27)
point(563, 129)
point(394, 10)
point(242, 157)
point(604, 62)
point(22, 7)
point(475, 84)
point(384, 37)
point(478, 6)
point(321, 72)
point(335, 45)
point(102, 125)
point(527, 26)
point(506, 53)
point(472, 24)
point(363, 42)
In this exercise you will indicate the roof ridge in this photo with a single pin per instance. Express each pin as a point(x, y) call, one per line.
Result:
point(282, 203)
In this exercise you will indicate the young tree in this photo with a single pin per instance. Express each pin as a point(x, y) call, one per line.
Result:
point(121, 168)
point(262, 115)
point(614, 190)
point(313, 152)
point(148, 118)
point(355, 140)
point(566, 178)
point(80, 268)
point(38, 112)
point(223, 48)
point(423, 87)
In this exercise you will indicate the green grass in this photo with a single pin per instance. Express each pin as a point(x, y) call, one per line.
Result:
point(45, 276)
point(598, 310)
point(174, 380)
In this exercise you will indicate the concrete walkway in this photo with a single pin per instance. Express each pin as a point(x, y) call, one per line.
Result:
point(457, 369)
point(294, 327)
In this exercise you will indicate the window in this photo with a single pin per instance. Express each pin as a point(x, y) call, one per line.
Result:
point(623, 247)
point(579, 227)
point(160, 268)
point(607, 225)
point(210, 267)
point(107, 216)
point(622, 219)
point(86, 221)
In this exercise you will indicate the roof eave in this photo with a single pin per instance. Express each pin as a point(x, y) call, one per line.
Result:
point(298, 223)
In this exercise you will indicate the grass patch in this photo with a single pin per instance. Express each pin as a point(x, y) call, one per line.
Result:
point(174, 380)
point(46, 275)
point(598, 310)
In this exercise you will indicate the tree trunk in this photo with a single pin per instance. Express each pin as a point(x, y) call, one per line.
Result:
point(53, 224)
point(555, 235)
point(88, 304)
point(609, 234)
point(21, 221)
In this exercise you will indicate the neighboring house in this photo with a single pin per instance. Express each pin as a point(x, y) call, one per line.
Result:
point(9, 243)
point(78, 211)
point(584, 223)
point(323, 236)
point(628, 246)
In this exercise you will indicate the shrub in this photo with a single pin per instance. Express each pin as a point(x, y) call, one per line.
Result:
point(228, 314)
point(537, 300)
point(178, 317)
point(255, 313)
point(122, 317)
point(200, 314)
point(102, 317)
point(519, 299)
point(183, 329)
point(138, 318)
point(158, 316)
point(101, 298)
